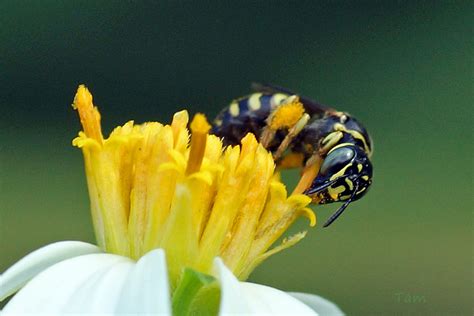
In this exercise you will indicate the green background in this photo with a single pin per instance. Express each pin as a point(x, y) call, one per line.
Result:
point(404, 69)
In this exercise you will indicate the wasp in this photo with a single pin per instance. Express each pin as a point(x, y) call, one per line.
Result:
point(332, 147)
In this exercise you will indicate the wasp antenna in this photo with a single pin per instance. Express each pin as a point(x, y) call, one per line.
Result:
point(341, 209)
point(269, 88)
point(257, 86)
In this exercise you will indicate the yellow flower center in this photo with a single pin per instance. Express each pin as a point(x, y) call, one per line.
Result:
point(150, 187)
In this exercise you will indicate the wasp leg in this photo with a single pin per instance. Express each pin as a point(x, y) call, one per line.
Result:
point(292, 160)
point(292, 132)
point(288, 115)
point(267, 136)
point(269, 131)
point(309, 173)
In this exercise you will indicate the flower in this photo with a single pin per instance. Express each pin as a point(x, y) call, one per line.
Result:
point(179, 220)
point(91, 281)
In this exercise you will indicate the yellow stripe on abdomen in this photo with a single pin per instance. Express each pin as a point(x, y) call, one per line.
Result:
point(254, 103)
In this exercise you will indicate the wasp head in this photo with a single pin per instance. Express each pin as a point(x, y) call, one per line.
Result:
point(344, 176)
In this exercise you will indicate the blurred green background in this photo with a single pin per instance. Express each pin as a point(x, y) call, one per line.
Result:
point(404, 69)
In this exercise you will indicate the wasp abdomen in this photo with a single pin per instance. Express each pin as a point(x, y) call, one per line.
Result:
point(245, 115)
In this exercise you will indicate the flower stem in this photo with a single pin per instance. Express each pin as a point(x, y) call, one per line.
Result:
point(196, 291)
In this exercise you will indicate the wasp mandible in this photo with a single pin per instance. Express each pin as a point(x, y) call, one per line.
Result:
point(332, 148)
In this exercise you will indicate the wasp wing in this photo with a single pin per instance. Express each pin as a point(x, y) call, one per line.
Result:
point(311, 106)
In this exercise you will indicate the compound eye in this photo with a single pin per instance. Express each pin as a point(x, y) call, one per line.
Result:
point(336, 160)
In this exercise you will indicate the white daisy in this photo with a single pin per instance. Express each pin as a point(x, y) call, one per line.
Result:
point(180, 225)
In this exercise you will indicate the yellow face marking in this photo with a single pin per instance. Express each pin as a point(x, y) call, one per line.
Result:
point(331, 140)
point(344, 197)
point(234, 109)
point(340, 172)
point(366, 178)
point(361, 190)
point(254, 101)
point(349, 183)
point(359, 167)
point(218, 122)
point(277, 99)
point(334, 192)
point(355, 134)
point(339, 146)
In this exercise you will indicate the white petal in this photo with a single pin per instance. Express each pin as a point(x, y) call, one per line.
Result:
point(53, 289)
point(249, 298)
point(101, 293)
point(146, 290)
point(98, 284)
point(267, 300)
point(25, 269)
point(321, 305)
point(232, 298)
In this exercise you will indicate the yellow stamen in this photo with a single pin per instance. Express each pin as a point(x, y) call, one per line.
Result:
point(199, 129)
point(88, 113)
point(180, 133)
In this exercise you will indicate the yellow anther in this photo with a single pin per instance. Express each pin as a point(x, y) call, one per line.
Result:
point(88, 113)
point(199, 129)
point(199, 124)
point(286, 115)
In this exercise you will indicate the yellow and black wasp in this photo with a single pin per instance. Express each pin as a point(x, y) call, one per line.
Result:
point(332, 147)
